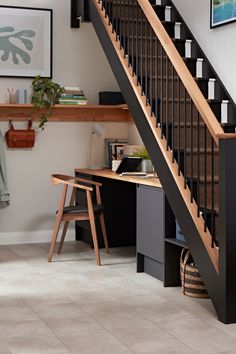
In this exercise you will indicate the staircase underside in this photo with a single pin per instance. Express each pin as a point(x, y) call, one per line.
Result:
point(178, 198)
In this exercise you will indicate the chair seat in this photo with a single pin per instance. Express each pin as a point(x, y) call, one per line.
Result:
point(75, 209)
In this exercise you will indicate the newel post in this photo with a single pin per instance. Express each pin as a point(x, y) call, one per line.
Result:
point(79, 10)
point(227, 230)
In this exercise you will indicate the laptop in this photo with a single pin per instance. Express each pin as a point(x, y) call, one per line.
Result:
point(130, 165)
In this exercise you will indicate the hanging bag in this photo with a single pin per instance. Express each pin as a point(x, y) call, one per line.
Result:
point(20, 138)
point(191, 280)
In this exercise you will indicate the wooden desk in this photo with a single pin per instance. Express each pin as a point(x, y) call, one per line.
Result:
point(107, 173)
point(119, 198)
point(137, 213)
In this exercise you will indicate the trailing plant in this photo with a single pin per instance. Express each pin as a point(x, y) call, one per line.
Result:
point(46, 93)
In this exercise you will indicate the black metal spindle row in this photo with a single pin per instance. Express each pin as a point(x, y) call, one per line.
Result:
point(179, 120)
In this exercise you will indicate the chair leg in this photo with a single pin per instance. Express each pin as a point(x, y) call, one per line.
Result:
point(63, 237)
point(95, 241)
point(54, 237)
point(104, 232)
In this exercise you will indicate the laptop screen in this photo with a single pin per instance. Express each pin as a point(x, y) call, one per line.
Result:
point(129, 164)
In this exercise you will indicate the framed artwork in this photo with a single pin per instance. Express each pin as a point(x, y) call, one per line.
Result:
point(113, 150)
point(222, 12)
point(25, 41)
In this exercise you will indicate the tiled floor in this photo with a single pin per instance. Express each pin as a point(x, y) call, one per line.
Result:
point(73, 306)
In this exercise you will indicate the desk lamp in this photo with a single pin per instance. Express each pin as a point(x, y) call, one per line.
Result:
point(100, 130)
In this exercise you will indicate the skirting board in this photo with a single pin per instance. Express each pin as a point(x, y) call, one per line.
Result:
point(24, 237)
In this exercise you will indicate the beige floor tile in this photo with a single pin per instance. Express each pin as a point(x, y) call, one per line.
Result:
point(156, 308)
point(14, 309)
point(199, 335)
point(172, 346)
point(73, 306)
point(94, 342)
point(31, 337)
point(60, 311)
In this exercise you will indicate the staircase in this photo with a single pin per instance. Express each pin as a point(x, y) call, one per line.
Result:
point(187, 121)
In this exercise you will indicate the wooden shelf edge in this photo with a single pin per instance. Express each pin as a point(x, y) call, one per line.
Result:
point(69, 113)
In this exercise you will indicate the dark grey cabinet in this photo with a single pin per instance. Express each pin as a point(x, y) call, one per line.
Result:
point(155, 223)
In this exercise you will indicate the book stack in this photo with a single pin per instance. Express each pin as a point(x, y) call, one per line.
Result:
point(73, 95)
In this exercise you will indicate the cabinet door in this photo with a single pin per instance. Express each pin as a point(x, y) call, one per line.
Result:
point(150, 222)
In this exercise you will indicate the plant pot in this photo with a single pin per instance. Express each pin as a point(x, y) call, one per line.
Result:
point(146, 166)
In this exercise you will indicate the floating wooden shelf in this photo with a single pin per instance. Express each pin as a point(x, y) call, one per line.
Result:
point(69, 113)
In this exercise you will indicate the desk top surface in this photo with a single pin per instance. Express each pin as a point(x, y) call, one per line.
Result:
point(107, 173)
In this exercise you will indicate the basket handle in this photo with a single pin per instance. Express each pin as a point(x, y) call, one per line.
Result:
point(185, 257)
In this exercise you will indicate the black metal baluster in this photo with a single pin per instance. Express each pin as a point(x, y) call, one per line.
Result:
point(141, 53)
point(151, 69)
point(156, 79)
point(161, 103)
point(137, 36)
point(191, 148)
point(109, 12)
point(185, 139)
point(179, 126)
point(167, 102)
point(205, 177)
point(198, 164)
point(112, 16)
point(146, 66)
point(116, 28)
point(212, 194)
point(132, 61)
point(124, 27)
point(120, 29)
point(173, 112)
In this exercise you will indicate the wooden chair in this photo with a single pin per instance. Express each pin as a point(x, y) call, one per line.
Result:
point(78, 212)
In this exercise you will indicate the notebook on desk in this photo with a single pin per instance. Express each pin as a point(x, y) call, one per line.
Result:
point(129, 164)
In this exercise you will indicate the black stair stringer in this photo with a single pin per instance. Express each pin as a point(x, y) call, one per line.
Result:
point(176, 201)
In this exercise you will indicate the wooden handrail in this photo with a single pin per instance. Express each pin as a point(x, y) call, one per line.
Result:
point(188, 81)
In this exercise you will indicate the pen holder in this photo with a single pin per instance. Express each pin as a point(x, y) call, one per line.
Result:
point(115, 165)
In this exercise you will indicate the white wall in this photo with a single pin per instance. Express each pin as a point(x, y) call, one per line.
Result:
point(218, 43)
point(78, 59)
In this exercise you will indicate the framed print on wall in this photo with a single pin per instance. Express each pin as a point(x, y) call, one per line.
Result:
point(25, 41)
point(222, 12)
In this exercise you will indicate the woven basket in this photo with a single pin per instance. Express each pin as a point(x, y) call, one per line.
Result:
point(191, 280)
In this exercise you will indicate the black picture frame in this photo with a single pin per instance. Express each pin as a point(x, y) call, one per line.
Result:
point(25, 41)
point(111, 149)
point(222, 12)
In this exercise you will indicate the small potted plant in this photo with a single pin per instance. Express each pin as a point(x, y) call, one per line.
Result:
point(146, 164)
point(46, 93)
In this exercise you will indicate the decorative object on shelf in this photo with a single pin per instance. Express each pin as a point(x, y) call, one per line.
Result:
point(111, 98)
point(114, 148)
point(191, 280)
point(11, 95)
point(45, 94)
point(73, 95)
point(100, 130)
point(21, 96)
point(146, 164)
point(26, 41)
point(20, 138)
point(222, 12)
point(115, 164)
